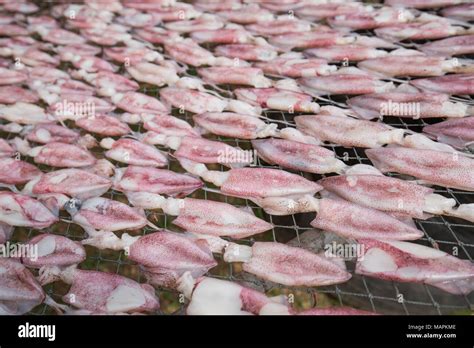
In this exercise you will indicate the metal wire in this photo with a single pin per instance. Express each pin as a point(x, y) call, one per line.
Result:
point(362, 292)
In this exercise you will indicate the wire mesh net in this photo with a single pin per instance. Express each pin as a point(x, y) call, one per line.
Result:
point(448, 234)
point(452, 235)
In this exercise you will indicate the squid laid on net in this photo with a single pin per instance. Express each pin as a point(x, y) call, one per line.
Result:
point(282, 193)
point(456, 132)
point(409, 262)
point(102, 214)
point(113, 293)
point(286, 265)
point(449, 84)
point(21, 210)
point(408, 105)
point(133, 152)
point(348, 131)
point(344, 81)
point(394, 196)
point(434, 167)
point(298, 156)
point(164, 256)
point(20, 292)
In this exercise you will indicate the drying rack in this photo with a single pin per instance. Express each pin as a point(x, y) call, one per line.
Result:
point(362, 292)
point(384, 297)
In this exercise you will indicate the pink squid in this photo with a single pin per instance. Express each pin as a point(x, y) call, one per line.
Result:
point(192, 100)
point(94, 292)
point(281, 25)
point(133, 152)
point(409, 262)
point(235, 75)
point(189, 52)
point(9, 77)
point(71, 105)
point(344, 81)
point(348, 131)
point(53, 253)
point(209, 5)
point(298, 156)
point(138, 19)
point(272, 189)
point(62, 155)
point(222, 36)
point(202, 150)
point(363, 20)
point(72, 182)
point(278, 99)
point(205, 217)
point(234, 125)
point(164, 256)
point(54, 250)
point(463, 12)
point(219, 219)
point(210, 296)
point(295, 65)
point(52, 133)
point(422, 4)
point(434, 167)
point(20, 7)
point(421, 30)
point(59, 36)
point(414, 65)
point(176, 12)
point(456, 132)
point(151, 180)
point(12, 94)
point(409, 105)
point(153, 74)
point(319, 11)
point(168, 125)
point(156, 35)
point(92, 64)
point(249, 14)
point(138, 103)
point(104, 125)
point(103, 214)
point(21, 210)
point(205, 21)
point(394, 196)
point(16, 172)
point(316, 38)
point(109, 35)
point(107, 83)
point(286, 265)
point(131, 55)
point(353, 221)
point(6, 150)
point(247, 52)
point(341, 53)
point(462, 44)
point(25, 113)
point(449, 84)
point(19, 290)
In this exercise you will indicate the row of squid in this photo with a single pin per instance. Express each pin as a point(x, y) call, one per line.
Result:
point(61, 102)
